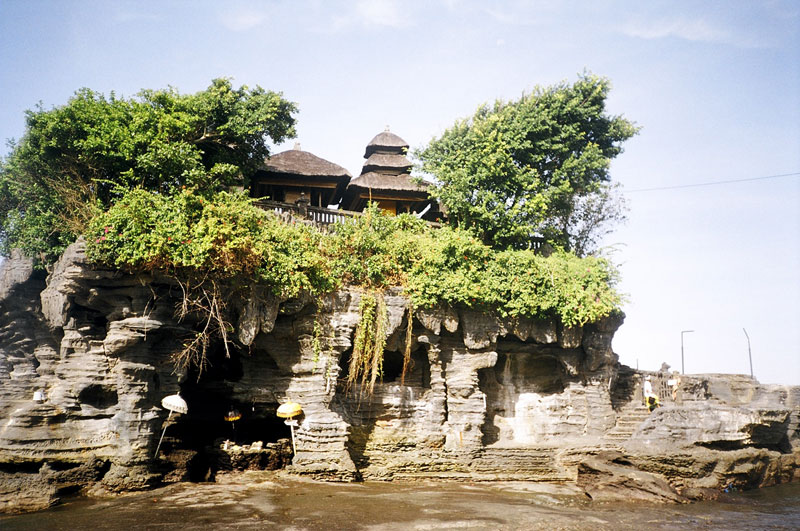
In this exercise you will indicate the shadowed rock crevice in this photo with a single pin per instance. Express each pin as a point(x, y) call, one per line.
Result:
point(193, 448)
point(99, 396)
point(623, 387)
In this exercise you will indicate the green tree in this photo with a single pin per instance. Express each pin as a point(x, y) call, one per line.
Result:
point(75, 160)
point(533, 167)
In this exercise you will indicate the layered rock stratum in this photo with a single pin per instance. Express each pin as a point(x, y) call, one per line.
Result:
point(86, 357)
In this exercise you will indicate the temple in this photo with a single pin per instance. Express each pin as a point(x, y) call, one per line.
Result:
point(385, 179)
point(290, 175)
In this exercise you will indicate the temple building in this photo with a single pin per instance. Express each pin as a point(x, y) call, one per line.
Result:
point(288, 175)
point(386, 180)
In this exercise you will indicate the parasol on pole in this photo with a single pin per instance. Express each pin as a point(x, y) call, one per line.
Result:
point(175, 404)
point(289, 411)
point(232, 416)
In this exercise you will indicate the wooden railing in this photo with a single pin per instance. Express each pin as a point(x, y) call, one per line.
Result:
point(539, 245)
point(684, 388)
point(324, 216)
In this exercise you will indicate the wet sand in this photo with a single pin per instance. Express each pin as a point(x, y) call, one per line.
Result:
point(275, 501)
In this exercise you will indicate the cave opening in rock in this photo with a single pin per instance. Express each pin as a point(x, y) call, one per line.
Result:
point(98, 396)
point(197, 441)
point(417, 375)
point(88, 316)
point(512, 388)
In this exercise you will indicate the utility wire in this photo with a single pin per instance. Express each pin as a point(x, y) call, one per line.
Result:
point(712, 183)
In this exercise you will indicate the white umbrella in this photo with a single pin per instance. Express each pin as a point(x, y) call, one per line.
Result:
point(173, 403)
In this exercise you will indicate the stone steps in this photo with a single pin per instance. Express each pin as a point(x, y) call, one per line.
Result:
point(629, 419)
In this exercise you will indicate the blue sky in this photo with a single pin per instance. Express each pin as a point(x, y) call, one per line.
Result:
point(715, 87)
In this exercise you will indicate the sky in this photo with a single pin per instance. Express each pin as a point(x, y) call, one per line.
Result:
point(714, 86)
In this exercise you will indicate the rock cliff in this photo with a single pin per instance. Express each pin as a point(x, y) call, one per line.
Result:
point(85, 359)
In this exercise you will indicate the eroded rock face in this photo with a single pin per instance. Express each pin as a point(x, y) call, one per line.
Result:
point(483, 398)
point(83, 369)
point(718, 426)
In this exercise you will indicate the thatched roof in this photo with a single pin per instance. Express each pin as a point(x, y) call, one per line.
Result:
point(389, 163)
point(386, 176)
point(383, 182)
point(387, 142)
point(298, 162)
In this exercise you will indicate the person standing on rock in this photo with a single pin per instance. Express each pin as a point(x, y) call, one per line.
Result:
point(675, 383)
point(650, 399)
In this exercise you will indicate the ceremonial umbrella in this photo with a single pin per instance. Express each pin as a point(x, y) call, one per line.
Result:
point(288, 411)
point(173, 403)
point(232, 416)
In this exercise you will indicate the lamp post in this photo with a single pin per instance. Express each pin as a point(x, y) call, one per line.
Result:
point(749, 353)
point(683, 332)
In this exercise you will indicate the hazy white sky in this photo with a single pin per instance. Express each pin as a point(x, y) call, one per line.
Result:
point(715, 87)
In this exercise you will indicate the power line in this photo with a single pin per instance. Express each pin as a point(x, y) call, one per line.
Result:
point(711, 183)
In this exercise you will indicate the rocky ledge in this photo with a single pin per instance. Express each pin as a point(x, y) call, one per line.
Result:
point(85, 359)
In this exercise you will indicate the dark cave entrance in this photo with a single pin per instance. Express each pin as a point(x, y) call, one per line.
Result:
point(417, 375)
point(195, 442)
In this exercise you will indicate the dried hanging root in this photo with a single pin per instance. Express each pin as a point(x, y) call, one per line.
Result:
point(407, 363)
point(362, 340)
point(379, 342)
point(209, 304)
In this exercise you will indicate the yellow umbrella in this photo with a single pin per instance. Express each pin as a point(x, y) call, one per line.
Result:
point(232, 416)
point(288, 411)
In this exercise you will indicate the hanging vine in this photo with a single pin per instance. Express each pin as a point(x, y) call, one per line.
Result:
point(366, 361)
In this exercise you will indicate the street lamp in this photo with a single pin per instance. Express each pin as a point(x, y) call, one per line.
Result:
point(683, 332)
point(749, 352)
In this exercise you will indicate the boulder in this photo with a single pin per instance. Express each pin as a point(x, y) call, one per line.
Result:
point(609, 476)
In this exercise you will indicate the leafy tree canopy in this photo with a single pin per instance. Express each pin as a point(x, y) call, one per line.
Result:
point(75, 160)
point(533, 167)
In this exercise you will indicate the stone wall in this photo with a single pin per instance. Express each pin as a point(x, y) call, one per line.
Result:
point(484, 398)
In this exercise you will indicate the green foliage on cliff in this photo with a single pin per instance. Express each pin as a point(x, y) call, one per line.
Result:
point(77, 159)
point(222, 235)
point(376, 250)
point(217, 235)
point(457, 269)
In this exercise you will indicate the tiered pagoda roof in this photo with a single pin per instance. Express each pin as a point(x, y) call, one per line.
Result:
point(386, 177)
